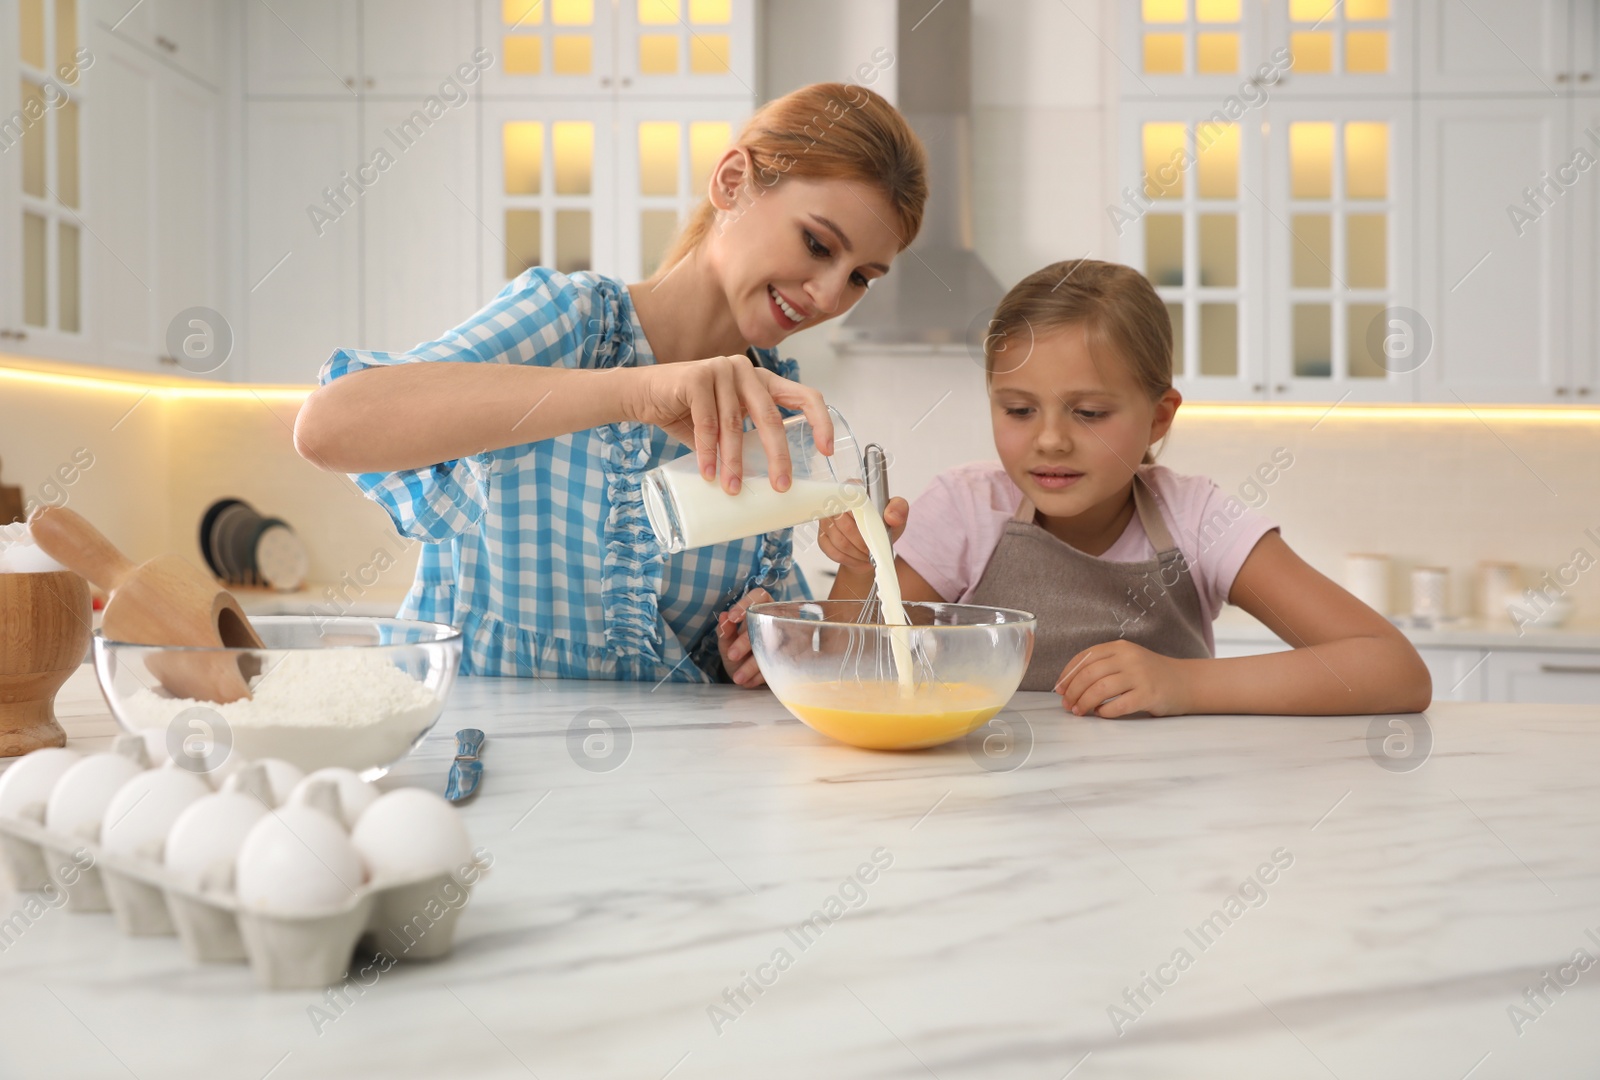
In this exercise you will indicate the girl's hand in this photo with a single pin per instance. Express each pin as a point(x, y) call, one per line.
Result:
point(1139, 680)
point(733, 640)
point(704, 403)
point(840, 537)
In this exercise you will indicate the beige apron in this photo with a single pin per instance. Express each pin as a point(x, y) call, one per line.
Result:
point(1082, 601)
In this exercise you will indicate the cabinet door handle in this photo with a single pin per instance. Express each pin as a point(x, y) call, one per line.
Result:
point(167, 44)
point(1561, 391)
point(1258, 388)
point(1281, 388)
point(1569, 669)
point(1582, 391)
point(371, 82)
point(1562, 77)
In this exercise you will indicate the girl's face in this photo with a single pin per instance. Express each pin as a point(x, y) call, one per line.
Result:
point(1071, 428)
point(797, 253)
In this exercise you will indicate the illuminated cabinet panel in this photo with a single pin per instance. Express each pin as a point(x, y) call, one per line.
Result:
point(1189, 217)
point(686, 48)
point(549, 187)
point(1338, 274)
point(552, 48)
point(668, 149)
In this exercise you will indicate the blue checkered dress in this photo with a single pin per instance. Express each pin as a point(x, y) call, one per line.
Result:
point(542, 553)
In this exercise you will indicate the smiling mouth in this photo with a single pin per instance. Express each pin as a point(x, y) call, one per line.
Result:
point(790, 313)
point(1055, 478)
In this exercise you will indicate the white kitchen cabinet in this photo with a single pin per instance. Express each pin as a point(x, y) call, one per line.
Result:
point(153, 165)
point(421, 235)
point(1458, 674)
point(1494, 49)
point(1552, 677)
point(127, 85)
point(185, 34)
point(302, 250)
point(1495, 292)
point(189, 270)
point(302, 48)
point(1583, 373)
point(413, 47)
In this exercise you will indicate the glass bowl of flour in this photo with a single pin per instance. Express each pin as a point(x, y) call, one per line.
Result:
point(353, 692)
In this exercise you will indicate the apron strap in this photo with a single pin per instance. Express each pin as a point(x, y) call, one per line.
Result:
point(1145, 503)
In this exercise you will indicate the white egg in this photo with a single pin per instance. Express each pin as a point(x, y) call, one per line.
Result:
point(411, 833)
point(139, 815)
point(297, 861)
point(29, 780)
point(355, 794)
point(281, 779)
point(79, 800)
point(155, 745)
point(205, 839)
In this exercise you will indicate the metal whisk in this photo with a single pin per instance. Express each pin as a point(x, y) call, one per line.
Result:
point(867, 655)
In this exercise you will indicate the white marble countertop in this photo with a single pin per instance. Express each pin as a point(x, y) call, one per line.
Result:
point(1010, 911)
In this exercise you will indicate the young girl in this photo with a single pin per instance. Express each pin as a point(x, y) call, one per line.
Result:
point(1124, 562)
point(515, 445)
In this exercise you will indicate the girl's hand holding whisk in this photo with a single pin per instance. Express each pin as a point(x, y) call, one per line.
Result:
point(840, 539)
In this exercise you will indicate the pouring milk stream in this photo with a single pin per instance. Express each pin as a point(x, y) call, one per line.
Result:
point(686, 510)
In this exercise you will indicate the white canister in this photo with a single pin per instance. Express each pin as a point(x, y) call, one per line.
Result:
point(1499, 586)
point(1430, 592)
point(1367, 578)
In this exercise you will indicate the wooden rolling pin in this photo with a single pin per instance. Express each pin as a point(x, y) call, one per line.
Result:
point(166, 601)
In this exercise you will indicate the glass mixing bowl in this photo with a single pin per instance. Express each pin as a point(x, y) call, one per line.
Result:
point(831, 663)
point(350, 691)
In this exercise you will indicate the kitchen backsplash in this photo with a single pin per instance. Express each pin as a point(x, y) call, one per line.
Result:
point(1428, 492)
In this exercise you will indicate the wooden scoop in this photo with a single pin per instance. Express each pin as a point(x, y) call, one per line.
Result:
point(166, 601)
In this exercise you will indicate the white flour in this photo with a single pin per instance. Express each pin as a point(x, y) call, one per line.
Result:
point(314, 708)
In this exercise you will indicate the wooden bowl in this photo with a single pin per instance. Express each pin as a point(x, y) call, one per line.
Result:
point(46, 624)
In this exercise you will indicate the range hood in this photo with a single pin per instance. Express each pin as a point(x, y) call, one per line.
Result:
point(939, 294)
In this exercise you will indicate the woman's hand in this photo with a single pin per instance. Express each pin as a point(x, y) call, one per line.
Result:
point(733, 640)
point(1139, 681)
point(704, 403)
point(840, 537)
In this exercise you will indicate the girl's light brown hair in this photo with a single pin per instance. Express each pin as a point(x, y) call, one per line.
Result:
point(826, 131)
point(1116, 304)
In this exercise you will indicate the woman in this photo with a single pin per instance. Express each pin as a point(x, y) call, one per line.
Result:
point(520, 464)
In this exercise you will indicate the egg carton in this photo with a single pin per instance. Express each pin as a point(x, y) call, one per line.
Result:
point(409, 920)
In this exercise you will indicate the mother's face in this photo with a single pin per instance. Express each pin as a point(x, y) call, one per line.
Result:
point(798, 252)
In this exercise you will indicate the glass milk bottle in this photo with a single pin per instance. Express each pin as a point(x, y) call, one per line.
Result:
point(686, 510)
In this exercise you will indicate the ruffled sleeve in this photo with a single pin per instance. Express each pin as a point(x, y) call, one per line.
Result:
point(542, 317)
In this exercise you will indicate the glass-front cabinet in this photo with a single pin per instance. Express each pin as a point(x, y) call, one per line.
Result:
point(602, 122)
point(42, 195)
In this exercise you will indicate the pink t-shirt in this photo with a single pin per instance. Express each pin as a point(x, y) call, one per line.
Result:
point(957, 522)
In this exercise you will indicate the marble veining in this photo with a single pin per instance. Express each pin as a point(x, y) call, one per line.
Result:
point(705, 888)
